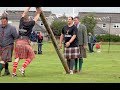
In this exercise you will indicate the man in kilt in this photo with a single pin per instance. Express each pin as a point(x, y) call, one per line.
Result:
point(23, 49)
point(8, 34)
point(71, 50)
point(82, 38)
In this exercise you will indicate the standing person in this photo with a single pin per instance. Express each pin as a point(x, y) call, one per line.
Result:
point(40, 39)
point(8, 34)
point(71, 50)
point(33, 39)
point(93, 42)
point(90, 42)
point(82, 37)
point(23, 49)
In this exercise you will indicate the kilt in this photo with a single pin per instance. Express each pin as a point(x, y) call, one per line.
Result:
point(6, 53)
point(23, 49)
point(82, 52)
point(71, 53)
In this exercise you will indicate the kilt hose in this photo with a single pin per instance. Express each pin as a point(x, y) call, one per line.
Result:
point(82, 52)
point(23, 49)
point(71, 52)
point(6, 53)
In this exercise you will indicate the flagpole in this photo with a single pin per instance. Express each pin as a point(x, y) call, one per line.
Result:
point(109, 34)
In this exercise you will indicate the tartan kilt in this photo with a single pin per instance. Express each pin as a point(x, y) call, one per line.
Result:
point(71, 53)
point(6, 53)
point(82, 52)
point(23, 49)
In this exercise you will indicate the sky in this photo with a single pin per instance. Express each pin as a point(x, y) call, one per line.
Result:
point(68, 10)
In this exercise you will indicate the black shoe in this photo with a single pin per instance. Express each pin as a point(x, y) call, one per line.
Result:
point(14, 75)
point(39, 52)
point(22, 72)
point(6, 73)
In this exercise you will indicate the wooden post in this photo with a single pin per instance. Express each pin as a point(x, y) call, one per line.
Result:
point(54, 41)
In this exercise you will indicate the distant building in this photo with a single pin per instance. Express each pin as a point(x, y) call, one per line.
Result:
point(104, 23)
point(15, 15)
point(63, 17)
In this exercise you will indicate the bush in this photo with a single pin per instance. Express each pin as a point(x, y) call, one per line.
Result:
point(107, 38)
point(89, 22)
point(57, 26)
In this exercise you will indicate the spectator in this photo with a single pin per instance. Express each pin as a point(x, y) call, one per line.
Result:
point(93, 43)
point(71, 50)
point(90, 42)
point(82, 38)
point(40, 39)
point(33, 38)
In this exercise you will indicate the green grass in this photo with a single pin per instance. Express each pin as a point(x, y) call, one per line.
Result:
point(47, 68)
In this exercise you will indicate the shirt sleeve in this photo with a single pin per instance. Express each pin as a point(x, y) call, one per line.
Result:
point(22, 18)
point(21, 21)
point(14, 33)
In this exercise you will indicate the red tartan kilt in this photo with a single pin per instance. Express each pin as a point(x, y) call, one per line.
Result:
point(23, 50)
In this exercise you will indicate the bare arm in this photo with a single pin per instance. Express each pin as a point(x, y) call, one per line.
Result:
point(38, 11)
point(26, 12)
point(70, 41)
point(15, 33)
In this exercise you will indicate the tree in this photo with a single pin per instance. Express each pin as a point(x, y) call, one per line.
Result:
point(57, 26)
point(89, 22)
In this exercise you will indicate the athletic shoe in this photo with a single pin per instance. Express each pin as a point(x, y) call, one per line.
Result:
point(71, 71)
point(14, 75)
point(22, 72)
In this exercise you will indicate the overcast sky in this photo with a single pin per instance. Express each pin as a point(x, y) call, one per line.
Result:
point(69, 10)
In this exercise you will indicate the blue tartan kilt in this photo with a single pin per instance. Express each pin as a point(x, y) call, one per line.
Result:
point(72, 52)
point(6, 53)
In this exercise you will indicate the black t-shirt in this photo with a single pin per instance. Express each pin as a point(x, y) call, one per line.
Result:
point(68, 32)
point(27, 26)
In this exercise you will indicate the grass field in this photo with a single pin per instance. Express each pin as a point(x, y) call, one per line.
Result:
point(47, 68)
